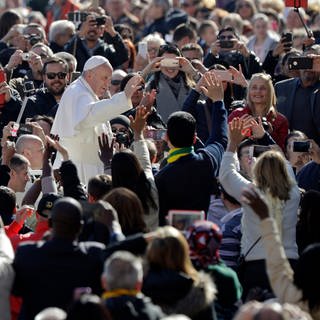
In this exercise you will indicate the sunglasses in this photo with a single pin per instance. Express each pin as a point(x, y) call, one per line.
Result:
point(52, 75)
point(115, 82)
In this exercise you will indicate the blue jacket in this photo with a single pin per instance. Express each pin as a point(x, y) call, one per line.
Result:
point(188, 182)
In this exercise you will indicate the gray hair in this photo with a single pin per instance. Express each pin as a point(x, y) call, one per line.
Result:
point(122, 270)
point(51, 313)
point(154, 37)
point(68, 58)
point(260, 16)
point(58, 27)
point(165, 4)
point(24, 140)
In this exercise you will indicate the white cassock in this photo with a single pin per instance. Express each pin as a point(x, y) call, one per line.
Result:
point(80, 110)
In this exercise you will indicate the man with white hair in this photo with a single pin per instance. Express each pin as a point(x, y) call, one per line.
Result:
point(81, 112)
point(122, 280)
point(60, 32)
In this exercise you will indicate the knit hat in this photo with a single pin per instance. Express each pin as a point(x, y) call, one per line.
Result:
point(46, 203)
point(204, 238)
point(121, 120)
point(95, 61)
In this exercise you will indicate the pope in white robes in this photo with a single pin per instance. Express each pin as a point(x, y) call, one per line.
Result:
point(80, 111)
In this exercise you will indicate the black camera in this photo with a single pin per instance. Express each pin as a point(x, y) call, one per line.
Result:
point(24, 128)
point(122, 138)
point(301, 146)
point(226, 44)
point(100, 21)
point(33, 39)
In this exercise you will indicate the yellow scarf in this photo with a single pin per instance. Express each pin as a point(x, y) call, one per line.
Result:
point(177, 153)
point(119, 292)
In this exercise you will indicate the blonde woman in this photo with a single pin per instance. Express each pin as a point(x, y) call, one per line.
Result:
point(261, 101)
point(274, 178)
point(172, 282)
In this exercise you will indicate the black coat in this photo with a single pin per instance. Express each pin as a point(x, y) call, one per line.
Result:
point(133, 307)
point(42, 103)
point(10, 110)
point(176, 292)
point(48, 272)
point(113, 49)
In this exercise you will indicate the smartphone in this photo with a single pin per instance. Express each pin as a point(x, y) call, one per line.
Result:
point(75, 75)
point(296, 3)
point(183, 219)
point(170, 63)
point(3, 78)
point(143, 49)
point(301, 146)
point(286, 37)
point(226, 44)
point(156, 135)
point(300, 63)
point(257, 150)
point(24, 128)
point(223, 75)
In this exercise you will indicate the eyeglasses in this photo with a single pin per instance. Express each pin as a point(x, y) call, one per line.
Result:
point(52, 75)
point(115, 82)
point(226, 37)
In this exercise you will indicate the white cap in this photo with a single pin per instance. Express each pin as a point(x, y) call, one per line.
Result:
point(95, 61)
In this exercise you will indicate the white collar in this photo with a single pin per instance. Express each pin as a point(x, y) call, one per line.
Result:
point(230, 215)
point(86, 84)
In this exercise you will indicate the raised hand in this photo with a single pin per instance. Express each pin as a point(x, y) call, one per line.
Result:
point(212, 87)
point(106, 149)
point(57, 146)
point(133, 85)
point(236, 127)
point(238, 76)
point(149, 99)
point(138, 123)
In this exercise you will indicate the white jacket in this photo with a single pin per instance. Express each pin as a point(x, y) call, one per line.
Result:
point(80, 110)
point(233, 182)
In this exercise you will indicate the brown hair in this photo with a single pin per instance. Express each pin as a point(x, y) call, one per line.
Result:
point(271, 174)
point(129, 209)
point(170, 250)
point(271, 96)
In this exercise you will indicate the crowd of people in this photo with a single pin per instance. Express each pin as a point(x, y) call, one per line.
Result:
point(160, 159)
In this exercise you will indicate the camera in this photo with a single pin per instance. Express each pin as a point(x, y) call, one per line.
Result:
point(28, 87)
point(300, 63)
point(301, 146)
point(33, 39)
point(24, 128)
point(226, 44)
point(122, 138)
point(100, 21)
point(25, 56)
point(257, 150)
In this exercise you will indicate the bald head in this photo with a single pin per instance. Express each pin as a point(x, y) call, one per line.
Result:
point(66, 218)
point(32, 147)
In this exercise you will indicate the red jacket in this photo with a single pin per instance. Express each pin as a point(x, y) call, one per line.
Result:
point(41, 228)
point(67, 7)
point(279, 124)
